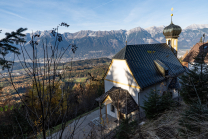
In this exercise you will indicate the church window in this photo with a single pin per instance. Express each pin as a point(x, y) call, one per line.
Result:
point(164, 93)
point(174, 42)
point(169, 42)
point(112, 108)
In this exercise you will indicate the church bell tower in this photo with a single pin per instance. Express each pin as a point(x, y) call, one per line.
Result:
point(171, 34)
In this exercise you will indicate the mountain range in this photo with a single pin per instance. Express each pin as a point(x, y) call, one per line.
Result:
point(95, 44)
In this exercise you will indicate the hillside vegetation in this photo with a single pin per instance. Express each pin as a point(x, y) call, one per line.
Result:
point(78, 74)
point(164, 127)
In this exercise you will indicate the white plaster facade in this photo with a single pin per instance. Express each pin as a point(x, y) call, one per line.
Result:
point(113, 114)
point(119, 75)
point(173, 42)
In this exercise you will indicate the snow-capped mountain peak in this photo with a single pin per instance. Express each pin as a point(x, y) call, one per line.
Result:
point(134, 30)
point(197, 26)
point(155, 30)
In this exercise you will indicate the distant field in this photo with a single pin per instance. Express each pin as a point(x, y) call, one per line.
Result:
point(79, 80)
point(78, 74)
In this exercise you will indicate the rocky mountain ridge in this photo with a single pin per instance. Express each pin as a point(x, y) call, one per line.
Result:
point(197, 26)
point(95, 44)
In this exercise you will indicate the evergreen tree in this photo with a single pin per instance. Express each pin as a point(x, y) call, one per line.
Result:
point(6, 45)
point(151, 104)
point(194, 92)
point(194, 82)
point(194, 88)
point(126, 129)
point(200, 40)
point(191, 119)
point(166, 102)
point(156, 104)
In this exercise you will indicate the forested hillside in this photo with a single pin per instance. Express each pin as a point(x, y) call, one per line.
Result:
point(77, 74)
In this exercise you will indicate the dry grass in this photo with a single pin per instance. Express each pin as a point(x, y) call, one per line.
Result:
point(166, 126)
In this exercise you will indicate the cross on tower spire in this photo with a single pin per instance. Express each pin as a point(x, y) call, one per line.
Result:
point(171, 15)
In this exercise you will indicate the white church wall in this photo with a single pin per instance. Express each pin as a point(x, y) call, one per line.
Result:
point(119, 75)
point(131, 90)
point(120, 72)
point(175, 93)
point(109, 112)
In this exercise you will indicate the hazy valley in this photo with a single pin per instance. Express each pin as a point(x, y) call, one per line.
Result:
point(96, 44)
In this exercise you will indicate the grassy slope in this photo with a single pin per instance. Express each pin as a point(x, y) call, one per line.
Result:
point(164, 127)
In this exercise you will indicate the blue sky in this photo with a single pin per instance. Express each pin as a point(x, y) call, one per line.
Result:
point(99, 14)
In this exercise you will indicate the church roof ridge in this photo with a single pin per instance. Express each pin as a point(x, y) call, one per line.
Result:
point(140, 59)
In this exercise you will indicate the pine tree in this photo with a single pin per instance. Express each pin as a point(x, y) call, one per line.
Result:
point(191, 119)
point(194, 92)
point(194, 82)
point(166, 102)
point(6, 45)
point(200, 40)
point(126, 129)
point(151, 104)
point(156, 104)
point(194, 88)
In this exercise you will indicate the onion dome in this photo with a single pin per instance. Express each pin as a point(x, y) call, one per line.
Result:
point(172, 31)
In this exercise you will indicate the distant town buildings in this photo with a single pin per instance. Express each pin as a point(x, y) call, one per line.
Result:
point(196, 52)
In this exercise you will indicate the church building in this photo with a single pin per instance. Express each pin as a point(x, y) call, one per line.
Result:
point(137, 69)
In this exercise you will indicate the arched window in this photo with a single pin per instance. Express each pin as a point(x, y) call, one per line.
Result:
point(169, 42)
point(164, 93)
point(112, 108)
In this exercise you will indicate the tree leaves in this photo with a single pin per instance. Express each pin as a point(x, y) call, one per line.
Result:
point(64, 24)
point(156, 104)
point(6, 45)
point(6, 107)
point(74, 48)
point(1, 109)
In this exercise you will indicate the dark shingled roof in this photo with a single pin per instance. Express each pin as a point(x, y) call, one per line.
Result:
point(140, 59)
point(196, 51)
point(117, 94)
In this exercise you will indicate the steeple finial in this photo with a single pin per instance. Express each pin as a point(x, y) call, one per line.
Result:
point(171, 15)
